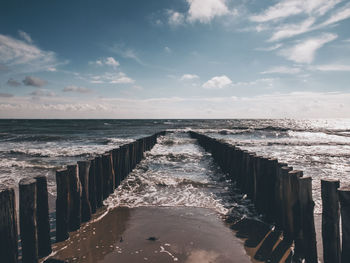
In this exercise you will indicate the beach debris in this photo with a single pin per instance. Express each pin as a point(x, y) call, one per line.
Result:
point(162, 250)
point(152, 238)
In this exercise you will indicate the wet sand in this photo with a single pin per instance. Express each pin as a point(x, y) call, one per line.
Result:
point(154, 234)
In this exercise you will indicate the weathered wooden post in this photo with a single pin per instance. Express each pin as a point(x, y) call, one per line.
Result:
point(344, 197)
point(285, 193)
point(270, 185)
point(108, 174)
point(294, 219)
point(62, 205)
point(8, 226)
point(279, 194)
point(84, 169)
point(115, 156)
point(99, 181)
point(42, 215)
point(307, 219)
point(330, 221)
point(74, 219)
point(92, 186)
point(27, 219)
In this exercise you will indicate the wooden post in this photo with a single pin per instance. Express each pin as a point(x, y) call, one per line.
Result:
point(109, 183)
point(27, 218)
point(117, 169)
point(74, 219)
point(330, 221)
point(62, 205)
point(92, 186)
point(84, 168)
point(270, 186)
point(307, 219)
point(344, 197)
point(285, 193)
point(8, 226)
point(279, 194)
point(42, 215)
point(99, 181)
point(294, 220)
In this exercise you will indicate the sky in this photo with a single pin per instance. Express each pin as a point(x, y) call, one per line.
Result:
point(175, 59)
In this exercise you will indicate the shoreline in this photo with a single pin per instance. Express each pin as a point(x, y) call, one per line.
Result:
point(154, 234)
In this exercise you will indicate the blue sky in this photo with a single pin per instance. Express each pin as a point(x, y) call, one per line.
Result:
point(175, 59)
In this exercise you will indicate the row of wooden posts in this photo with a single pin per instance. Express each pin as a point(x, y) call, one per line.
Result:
point(284, 197)
point(81, 189)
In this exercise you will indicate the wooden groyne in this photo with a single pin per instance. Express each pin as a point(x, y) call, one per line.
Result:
point(284, 197)
point(81, 189)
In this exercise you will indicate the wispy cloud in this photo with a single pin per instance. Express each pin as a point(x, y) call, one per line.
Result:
point(112, 78)
point(339, 15)
point(286, 8)
point(73, 88)
point(125, 52)
point(304, 52)
point(34, 81)
point(270, 48)
point(218, 82)
point(167, 49)
point(109, 61)
point(262, 83)
point(24, 55)
point(282, 70)
point(332, 67)
point(13, 83)
point(25, 36)
point(290, 30)
point(175, 18)
point(42, 93)
point(186, 77)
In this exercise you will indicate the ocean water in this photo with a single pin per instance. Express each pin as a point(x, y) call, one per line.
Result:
point(177, 172)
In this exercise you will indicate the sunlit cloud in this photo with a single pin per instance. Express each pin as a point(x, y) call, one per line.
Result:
point(304, 52)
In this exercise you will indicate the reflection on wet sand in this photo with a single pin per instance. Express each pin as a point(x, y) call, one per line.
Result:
point(154, 234)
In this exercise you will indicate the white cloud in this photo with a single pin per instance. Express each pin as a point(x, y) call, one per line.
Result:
point(290, 30)
point(111, 62)
point(287, 8)
point(271, 48)
point(112, 78)
point(332, 67)
point(205, 10)
point(305, 51)
point(340, 15)
point(25, 36)
point(282, 70)
point(73, 88)
point(34, 81)
point(24, 56)
point(125, 52)
point(262, 83)
point(189, 77)
point(175, 18)
point(51, 69)
point(218, 82)
point(167, 50)
point(287, 105)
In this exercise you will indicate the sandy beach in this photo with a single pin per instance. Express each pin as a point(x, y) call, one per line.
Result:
point(154, 234)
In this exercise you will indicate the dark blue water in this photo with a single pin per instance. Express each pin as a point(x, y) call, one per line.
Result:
point(321, 148)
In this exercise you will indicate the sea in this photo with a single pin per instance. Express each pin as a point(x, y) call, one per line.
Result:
point(177, 171)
